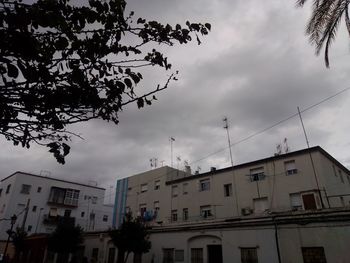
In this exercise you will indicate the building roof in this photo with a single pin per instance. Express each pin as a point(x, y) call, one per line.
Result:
point(264, 160)
point(51, 178)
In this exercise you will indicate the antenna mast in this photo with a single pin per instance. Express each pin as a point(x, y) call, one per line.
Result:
point(226, 126)
point(312, 161)
point(171, 139)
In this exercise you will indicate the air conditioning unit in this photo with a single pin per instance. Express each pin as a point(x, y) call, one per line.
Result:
point(247, 211)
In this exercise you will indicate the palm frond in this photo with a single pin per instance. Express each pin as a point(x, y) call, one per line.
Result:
point(347, 19)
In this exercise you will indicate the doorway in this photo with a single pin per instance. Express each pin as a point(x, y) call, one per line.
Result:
point(214, 254)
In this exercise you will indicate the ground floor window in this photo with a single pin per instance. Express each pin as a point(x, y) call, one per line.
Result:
point(313, 255)
point(168, 255)
point(249, 255)
point(196, 255)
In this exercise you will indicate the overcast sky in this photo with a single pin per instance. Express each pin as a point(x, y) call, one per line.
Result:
point(255, 67)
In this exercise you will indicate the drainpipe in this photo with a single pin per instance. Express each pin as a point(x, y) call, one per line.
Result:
point(276, 240)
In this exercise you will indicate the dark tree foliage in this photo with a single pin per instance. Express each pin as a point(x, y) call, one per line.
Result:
point(130, 237)
point(18, 240)
point(66, 238)
point(62, 64)
point(324, 23)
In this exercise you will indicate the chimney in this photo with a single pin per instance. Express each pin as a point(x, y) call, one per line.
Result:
point(212, 169)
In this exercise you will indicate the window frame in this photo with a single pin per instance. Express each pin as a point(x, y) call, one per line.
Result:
point(157, 185)
point(228, 190)
point(144, 188)
point(290, 171)
point(204, 185)
point(250, 257)
point(257, 174)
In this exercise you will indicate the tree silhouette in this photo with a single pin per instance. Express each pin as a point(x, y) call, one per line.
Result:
point(324, 23)
point(130, 237)
point(62, 64)
point(65, 239)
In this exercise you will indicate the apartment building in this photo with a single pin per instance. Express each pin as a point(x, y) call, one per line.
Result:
point(277, 209)
point(50, 200)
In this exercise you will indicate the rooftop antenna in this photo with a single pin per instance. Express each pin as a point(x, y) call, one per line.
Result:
point(278, 149)
point(178, 159)
point(286, 147)
point(171, 140)
point(153, 162)
point(226, 127)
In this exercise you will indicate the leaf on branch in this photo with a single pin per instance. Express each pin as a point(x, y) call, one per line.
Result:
point(140, 103)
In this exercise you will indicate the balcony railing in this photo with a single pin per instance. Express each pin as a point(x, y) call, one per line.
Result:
point(55, 220)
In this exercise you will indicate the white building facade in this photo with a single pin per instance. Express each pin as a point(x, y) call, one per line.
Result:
point(294, 207)
point(50, 200)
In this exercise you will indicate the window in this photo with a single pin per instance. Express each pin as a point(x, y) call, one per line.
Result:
point(157, 185)
point(94, 254)
point(82, 214)
point(341, 176)
point(185, 188)
point(260, 204)
point(53, 212)
point(185, 214)
point(204, 185)
point(94, 200)
point(309, 201)
point(227, 190)
point(57, 195)
point(313, 255)
point(206, 211)
point(173, 215)
point(34, 208)
point(257, 174)
point(144, 188)
point(168, 255)
point(156, 206)
point(295, 201)
point(29, 228)
point(179, 255)
point(174, 191)
point(38, 190)
point(105, 218)
point(8, 188)
point(290, 168)
point(71, 197)
point(249, 255)
point(0, 191)
point(67, 212)
point(197, 255)
point(143, 208)
point(25, 189)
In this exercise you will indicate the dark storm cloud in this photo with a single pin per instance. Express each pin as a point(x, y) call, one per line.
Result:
point(255, 67)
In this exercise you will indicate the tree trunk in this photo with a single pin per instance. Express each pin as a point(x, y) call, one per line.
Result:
point(121, 254)
point(137, 258)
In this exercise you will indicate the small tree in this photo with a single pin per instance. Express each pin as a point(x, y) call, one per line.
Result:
point(65, 240)
point(131, 237)
point(18, 241)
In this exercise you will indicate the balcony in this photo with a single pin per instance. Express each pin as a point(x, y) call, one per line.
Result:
point(55, 220)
